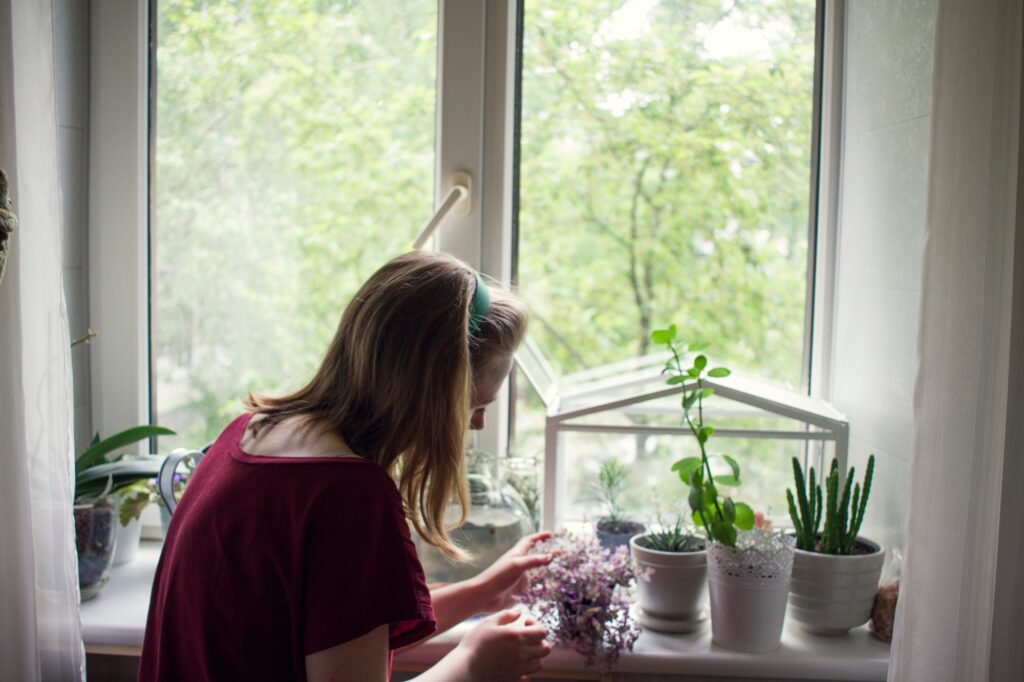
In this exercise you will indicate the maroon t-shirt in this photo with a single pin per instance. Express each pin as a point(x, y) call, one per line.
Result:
point(269, 559)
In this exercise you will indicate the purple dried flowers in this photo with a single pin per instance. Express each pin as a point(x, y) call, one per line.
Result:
point(582, 597)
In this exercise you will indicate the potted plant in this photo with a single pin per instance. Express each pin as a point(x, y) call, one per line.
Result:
point(672, 575)
point(132, 501)
point(582, 597)
point(748, 568)
point(98, 476)
point(835, 571)
point(614, 529)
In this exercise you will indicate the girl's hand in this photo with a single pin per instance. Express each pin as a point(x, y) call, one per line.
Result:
point(500, 649)
point(506, 577)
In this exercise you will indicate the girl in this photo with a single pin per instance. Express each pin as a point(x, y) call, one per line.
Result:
point(290, 555)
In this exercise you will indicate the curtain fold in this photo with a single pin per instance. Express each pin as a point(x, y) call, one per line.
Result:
point(41, 633)
point(965, 405)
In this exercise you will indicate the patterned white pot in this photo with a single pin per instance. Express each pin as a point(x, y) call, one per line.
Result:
point(829, 594)
point(749, 587)
point(671, 587)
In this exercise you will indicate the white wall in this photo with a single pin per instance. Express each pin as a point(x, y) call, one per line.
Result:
point(887, 104)
point(71, 41)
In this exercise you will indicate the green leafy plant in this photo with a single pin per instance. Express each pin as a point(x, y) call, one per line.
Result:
point(843, 515)
point(675, 538)
point(612, 482)
point(134, 500)
point(98, 474)
point(720, 516)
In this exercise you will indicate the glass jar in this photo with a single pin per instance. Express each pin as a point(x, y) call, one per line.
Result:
point(497, 519)
point(96, 539)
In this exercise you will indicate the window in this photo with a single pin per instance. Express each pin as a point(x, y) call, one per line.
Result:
point(294, 154)
point(665, 160)
point(663, 154)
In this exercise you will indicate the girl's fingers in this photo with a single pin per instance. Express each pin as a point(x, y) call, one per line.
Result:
point(533, 633)
point(535, 651)
point(531, 561)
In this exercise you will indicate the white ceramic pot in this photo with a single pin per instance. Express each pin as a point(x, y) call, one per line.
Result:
point(829, 594)
point(749, 588)
point(671, 587)
point(127, 542)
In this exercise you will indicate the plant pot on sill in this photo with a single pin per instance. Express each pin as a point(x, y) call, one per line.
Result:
point(96, 525)
point(615, 534)
point(128, 538)
point(749, 586)
point(831, 593)
point(671, 586)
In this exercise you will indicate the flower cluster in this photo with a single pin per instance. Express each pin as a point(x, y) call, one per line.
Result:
point(582, 597)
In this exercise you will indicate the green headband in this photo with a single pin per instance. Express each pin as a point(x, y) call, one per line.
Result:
point(479, 305)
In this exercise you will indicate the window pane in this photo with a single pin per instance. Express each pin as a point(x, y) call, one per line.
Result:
point(294, 155)
point(654, 491)
point(665, 166)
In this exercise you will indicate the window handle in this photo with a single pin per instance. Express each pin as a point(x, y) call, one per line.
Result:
point(457, 202)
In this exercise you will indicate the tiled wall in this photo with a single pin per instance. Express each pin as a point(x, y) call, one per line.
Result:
point(888, 63)
point(71, 40)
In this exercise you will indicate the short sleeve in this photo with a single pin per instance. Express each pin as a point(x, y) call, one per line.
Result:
point(361, 570)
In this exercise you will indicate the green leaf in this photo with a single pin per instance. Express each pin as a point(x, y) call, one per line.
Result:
point(689, 400)
point(724, 533)
point(733, 464)
point(693, 372)
point(698, 518)
point(729, 510)
point(744, 516)
point(707, 392)
point(719, 372)
point(696, 499)
point(697, 478)
point(676, 380)
point(699, 346)
point(727, 480)
point(686, 466)
point(96, 453)
point(710, 494)
point(121, 474)
point(662, 337)
point(700, 362)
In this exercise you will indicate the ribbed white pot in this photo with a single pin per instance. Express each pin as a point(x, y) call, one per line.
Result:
point(829, 594)
point(671, 587)
point(749, 589)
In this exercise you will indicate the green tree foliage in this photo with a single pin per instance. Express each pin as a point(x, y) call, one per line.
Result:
point(294, 155)
point(665, 172)
point(662, 176)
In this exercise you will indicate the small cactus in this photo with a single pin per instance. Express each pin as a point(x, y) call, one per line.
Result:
point(843, 515)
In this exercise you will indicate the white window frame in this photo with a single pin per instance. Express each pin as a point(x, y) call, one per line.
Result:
point(477, 44)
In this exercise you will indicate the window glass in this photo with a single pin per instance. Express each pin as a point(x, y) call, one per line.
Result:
point(665, 164)
point(294, 154)
point(665, 171)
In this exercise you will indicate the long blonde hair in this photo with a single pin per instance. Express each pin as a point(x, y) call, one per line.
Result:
point(396, 381)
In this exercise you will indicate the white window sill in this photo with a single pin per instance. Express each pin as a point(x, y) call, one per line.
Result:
point(114, 622)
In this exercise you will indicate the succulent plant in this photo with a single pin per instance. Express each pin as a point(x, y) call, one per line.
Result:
point(843, 515)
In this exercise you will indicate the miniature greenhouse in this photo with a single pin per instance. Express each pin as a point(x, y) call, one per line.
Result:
point(638, 416)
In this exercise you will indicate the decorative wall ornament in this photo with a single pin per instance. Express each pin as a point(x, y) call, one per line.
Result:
point(8, 221)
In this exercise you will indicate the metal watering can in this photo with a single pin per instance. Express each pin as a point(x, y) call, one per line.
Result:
point(165, 479)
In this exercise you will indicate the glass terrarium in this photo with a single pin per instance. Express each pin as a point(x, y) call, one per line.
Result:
point(626, 411)
point(498, 517)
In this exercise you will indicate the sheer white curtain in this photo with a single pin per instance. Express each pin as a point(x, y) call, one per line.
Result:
point(39, 622)
point(961, 608)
